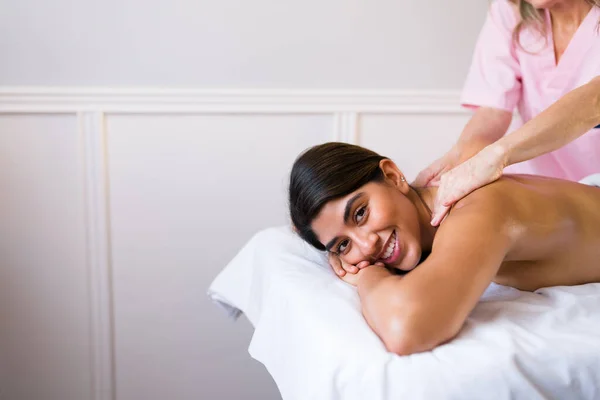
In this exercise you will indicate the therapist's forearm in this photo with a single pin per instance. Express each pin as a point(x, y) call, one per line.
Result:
point(486, 126)
point(564, 121)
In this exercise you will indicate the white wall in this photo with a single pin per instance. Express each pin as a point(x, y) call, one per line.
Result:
point(118, 207)
point(397, 44)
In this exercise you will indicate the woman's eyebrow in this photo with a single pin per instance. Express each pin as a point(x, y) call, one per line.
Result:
point(347, 210)
point(331, 243)
point(349, 206)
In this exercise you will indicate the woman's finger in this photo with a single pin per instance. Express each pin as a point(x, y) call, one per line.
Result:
point(349, 267)
point(336, 264)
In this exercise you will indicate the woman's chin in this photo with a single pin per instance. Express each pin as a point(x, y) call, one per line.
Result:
point(409, 261)
point(405, 268)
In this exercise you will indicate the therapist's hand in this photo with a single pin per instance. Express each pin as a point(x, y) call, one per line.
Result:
point(479, 170)
point(431, 175)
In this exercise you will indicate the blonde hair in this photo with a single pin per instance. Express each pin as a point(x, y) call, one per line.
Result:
point(534, 17)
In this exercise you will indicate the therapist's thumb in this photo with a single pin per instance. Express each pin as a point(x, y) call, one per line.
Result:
point(440, 209)
point(439, 215)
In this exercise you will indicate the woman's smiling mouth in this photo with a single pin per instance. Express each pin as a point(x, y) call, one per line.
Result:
point(392, 250)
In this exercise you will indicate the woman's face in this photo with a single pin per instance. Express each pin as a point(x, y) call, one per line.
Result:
point(377, 222)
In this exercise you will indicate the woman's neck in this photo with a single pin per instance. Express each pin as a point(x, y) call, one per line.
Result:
point(567, 15)
point(423, 199)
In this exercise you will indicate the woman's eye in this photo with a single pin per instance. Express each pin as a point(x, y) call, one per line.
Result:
point(360, 214)
point(342, 246)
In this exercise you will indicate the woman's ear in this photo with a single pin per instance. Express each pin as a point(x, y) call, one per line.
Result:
point(393, 175)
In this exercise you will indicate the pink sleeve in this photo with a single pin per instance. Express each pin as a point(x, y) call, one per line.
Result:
point(494, 79)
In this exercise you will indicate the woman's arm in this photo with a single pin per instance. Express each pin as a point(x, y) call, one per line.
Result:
point(564, 121)
point(429, 305)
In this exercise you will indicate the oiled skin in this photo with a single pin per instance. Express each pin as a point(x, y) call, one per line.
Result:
point(555, 230)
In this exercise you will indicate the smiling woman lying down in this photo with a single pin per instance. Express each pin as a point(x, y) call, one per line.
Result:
point(522, 231)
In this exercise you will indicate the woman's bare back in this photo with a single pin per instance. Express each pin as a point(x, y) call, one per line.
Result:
point(555, 230)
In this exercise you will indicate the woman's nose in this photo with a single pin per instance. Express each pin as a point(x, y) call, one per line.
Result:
point(367, 243)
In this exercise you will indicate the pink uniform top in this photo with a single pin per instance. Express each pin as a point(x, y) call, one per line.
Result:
point(505, 75)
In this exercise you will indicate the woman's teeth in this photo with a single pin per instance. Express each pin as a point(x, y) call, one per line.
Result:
point(390, 247)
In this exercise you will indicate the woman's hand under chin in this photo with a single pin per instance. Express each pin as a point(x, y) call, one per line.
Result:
point(349, 273)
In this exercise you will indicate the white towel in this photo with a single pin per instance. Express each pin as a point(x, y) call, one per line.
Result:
point(592, 180)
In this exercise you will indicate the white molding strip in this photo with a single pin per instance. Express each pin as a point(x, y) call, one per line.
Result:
point(98, 254)
point(345, 127)
point(157, 100)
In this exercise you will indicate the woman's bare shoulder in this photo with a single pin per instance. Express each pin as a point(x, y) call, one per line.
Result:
point(480, 218)
point(487, 198)
point(516, 196)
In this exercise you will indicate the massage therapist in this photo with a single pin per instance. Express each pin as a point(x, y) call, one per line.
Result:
point(543, 58)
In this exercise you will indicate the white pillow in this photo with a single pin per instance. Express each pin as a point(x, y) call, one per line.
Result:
point(592, 180)
point(244, 283)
